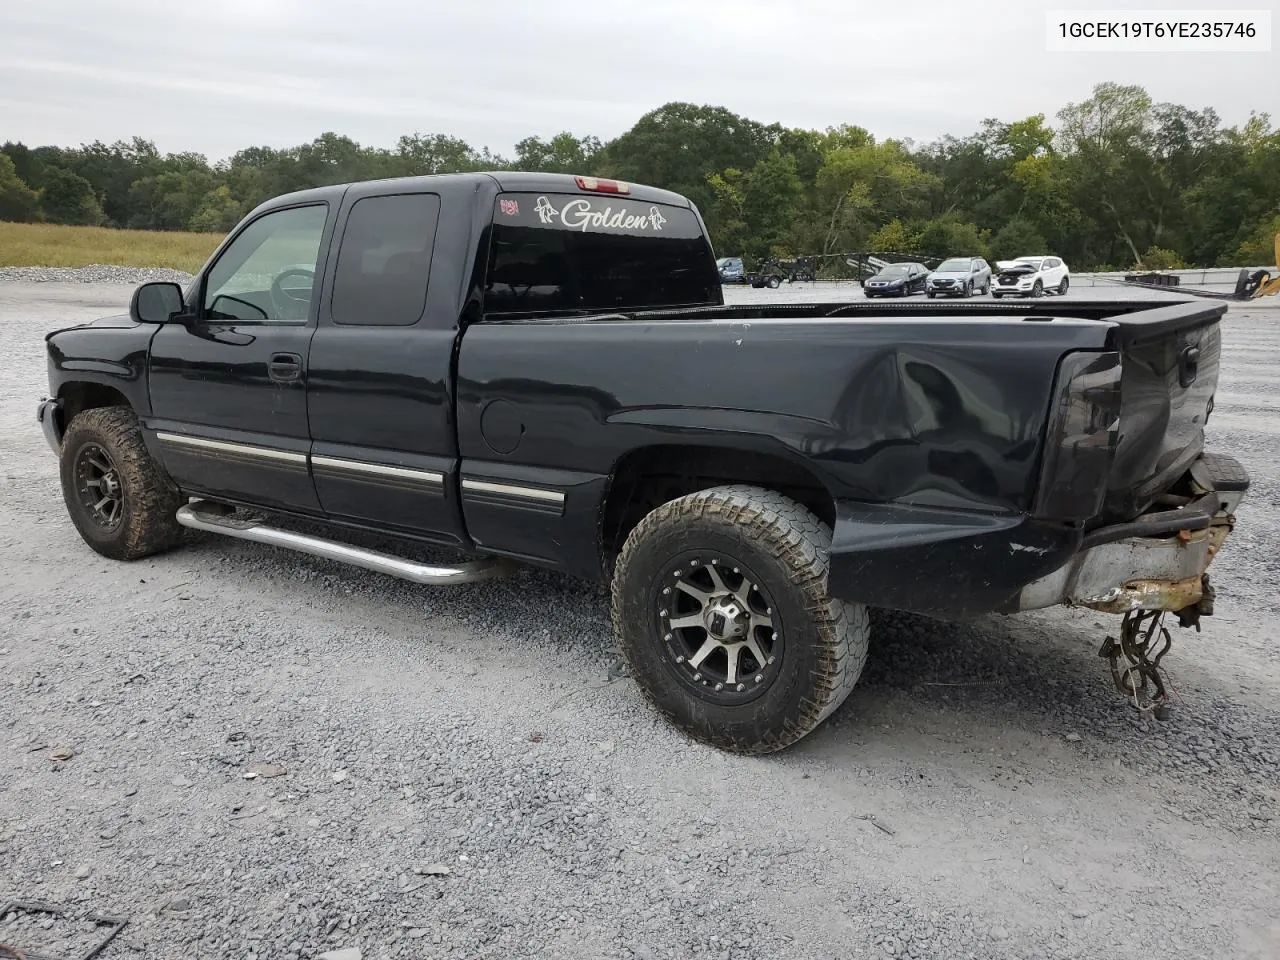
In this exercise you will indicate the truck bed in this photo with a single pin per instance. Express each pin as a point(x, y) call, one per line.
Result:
point(917, 406)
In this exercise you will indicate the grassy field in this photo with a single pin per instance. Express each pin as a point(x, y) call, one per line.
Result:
point(46, 245)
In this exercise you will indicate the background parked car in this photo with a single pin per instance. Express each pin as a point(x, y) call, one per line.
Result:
point(960, 277)
point(1031, 277)
point(897, 280)
point(731, 270)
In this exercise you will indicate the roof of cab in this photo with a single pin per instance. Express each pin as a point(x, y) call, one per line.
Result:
point(506, 181)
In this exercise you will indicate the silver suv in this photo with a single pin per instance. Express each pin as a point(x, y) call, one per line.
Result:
point(960, 277)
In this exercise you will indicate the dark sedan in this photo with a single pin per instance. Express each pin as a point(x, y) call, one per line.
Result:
point(897, 280)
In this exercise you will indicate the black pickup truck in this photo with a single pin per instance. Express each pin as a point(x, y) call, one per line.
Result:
point(541, 369)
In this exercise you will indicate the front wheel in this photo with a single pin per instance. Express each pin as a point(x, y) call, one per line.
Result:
point(721, 611)
point(774, 283)
point(1037, 289)
point(120, 500)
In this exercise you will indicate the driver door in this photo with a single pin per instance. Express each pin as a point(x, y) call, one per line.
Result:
point(228, 383)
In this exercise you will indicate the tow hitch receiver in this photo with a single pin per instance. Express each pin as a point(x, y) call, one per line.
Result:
point(1135, 657)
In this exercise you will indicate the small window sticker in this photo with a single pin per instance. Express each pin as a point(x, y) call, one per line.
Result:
point(509, 208)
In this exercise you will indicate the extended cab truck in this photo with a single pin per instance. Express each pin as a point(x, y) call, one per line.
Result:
point(541, 369)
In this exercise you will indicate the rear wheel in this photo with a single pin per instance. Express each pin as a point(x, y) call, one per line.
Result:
point(721, 611)
point(120, 500)
point(774, 283)
point(1062, 287)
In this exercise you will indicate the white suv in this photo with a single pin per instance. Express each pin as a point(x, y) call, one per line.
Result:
point(1030, 277)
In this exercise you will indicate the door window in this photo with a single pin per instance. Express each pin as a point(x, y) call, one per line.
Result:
point(267, 274)
point(385, 260)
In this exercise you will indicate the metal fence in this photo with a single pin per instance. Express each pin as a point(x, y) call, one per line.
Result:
point(1213, 278)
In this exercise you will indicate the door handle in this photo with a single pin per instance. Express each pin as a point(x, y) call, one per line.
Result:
point(284, 367)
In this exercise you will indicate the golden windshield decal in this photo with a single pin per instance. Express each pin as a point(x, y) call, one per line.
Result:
point(582, 214)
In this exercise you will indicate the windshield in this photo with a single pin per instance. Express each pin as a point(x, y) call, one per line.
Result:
point(954, 266)
point(893, 272)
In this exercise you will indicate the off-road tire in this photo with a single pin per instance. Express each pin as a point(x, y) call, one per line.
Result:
point(825, 640)
point(149, 498)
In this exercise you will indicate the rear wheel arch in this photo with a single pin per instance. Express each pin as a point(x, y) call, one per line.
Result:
point(650, 476)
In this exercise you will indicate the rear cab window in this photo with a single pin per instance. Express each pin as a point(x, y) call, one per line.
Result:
point(384, 260)
point(553, 253)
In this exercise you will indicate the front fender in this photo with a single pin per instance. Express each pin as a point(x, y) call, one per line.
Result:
point(109, 355)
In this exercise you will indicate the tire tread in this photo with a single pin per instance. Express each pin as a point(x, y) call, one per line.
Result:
point(801, 541)
point(152, 500)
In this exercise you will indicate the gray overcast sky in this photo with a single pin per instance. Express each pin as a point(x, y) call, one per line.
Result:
point(226, 74)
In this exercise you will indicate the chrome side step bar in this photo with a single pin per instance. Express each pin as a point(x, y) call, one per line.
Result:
point(214, 517)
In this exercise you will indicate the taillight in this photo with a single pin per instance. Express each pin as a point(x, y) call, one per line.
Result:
point(1084, 427)
point(602, 186)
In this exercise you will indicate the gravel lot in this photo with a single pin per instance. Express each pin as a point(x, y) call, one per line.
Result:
point(461, 780)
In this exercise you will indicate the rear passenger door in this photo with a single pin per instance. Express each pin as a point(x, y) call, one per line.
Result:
point(1050, 274)
point(384, 453)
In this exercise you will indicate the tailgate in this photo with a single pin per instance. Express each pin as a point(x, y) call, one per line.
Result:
point(1168, 377)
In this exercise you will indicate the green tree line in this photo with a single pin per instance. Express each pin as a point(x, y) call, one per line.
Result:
point(1114, 180)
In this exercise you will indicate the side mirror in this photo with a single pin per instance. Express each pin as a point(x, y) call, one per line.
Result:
point(156, 302)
